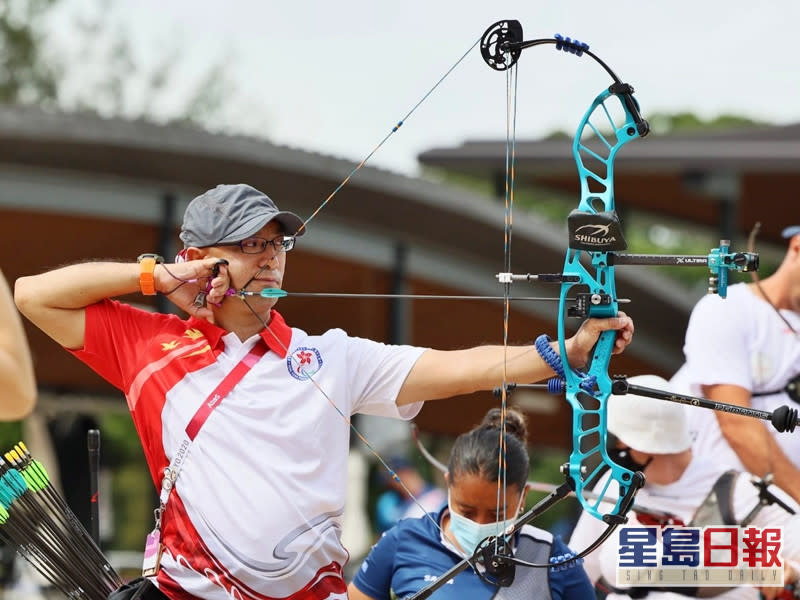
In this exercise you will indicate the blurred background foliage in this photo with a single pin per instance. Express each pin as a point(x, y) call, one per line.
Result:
point(95, 67)
point(133, 495)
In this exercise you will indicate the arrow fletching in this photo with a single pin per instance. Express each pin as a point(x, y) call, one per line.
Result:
point(273, 293)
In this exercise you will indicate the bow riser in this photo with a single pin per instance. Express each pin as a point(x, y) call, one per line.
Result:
point(594, 232)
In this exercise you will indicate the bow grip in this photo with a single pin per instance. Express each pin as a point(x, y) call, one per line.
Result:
point(602, 351)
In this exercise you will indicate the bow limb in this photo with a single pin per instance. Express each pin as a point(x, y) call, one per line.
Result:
point(440, 466)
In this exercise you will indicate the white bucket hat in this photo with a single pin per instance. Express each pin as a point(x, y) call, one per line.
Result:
point(646, 424)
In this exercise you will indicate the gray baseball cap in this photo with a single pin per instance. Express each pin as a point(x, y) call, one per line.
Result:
point(231, 213)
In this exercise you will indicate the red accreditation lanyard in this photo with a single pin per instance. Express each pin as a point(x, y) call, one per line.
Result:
point(224, 388)
point(153, 545)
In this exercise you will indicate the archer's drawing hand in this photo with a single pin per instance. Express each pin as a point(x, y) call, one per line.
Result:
point(195, 286)
point(580, 346)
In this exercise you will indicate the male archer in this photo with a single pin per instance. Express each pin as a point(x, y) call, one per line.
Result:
point(745, 350)
point(243, 418)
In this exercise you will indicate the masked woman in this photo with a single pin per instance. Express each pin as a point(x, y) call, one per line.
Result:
point(418, 551)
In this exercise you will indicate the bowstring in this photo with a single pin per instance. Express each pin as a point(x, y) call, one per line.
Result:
point(751, 246)
point(511, 124)
point(303, 226)
point(394, 130)
point(511, 83)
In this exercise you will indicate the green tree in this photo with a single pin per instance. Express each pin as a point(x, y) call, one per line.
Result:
point(682, 122)
point(95, 67)
point(25, 76)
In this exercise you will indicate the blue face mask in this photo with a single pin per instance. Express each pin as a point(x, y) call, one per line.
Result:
point(469, 534)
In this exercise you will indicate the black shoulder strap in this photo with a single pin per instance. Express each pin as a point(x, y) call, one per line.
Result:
point(792, 389)
point(723, 488)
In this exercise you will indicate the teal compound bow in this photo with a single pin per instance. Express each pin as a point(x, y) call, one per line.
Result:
point(594, 230)
point(595, 241)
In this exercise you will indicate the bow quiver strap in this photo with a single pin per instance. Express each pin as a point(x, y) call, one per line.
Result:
point(140, 588)
point(717, 508)
point(792, 389)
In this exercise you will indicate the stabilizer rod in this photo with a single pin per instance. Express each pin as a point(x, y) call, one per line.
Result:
point(782, 418)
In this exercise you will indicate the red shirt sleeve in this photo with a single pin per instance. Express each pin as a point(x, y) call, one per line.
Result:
point(117, 336)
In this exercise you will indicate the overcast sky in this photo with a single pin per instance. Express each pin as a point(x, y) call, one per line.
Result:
point(334, 77)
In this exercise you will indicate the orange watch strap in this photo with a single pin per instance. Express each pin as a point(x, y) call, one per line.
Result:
point(147, 282)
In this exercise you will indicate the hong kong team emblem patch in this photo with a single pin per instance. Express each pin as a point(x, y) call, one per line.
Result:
point(304, 363)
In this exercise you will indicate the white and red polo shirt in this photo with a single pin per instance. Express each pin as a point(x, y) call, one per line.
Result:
point(257, 508)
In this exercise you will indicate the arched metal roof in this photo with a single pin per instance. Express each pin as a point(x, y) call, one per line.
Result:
point(722, 179)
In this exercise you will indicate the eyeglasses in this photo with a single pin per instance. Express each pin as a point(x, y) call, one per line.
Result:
point(256, 245)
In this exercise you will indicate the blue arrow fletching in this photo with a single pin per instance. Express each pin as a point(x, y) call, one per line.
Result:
point(6, 496)
point(11, 485)
point(273, 293)
point(16, 482)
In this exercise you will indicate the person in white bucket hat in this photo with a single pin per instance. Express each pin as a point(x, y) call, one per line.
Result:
point(648, 425)
point(653, 436)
